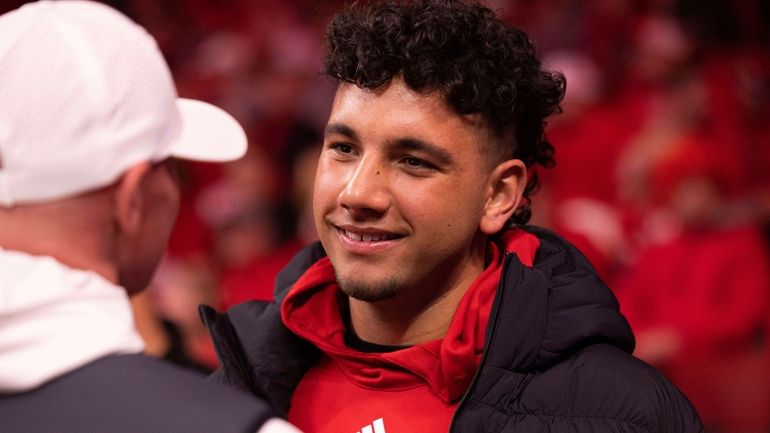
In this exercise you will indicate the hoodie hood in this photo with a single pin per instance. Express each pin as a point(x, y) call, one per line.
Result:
point(54, 319)
point(312, 311)
point(547, 312)
point(548, 304)
point(539, 316)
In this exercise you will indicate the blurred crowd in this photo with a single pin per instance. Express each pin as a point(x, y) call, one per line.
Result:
point(663, 181)
point(662, 175)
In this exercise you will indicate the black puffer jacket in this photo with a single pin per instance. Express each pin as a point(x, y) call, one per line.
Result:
point(556, 359)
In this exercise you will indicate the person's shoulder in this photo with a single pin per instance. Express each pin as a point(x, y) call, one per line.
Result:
point(604, 384)
point(177, 387)
point(138, 393)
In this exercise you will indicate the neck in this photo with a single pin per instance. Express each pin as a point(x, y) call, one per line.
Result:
point(66, 230)
point(409, 318)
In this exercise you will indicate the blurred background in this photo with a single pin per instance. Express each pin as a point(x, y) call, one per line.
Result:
point(662, 176)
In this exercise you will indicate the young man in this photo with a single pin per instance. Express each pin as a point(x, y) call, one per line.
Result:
point(428, 305)
point(89, 128)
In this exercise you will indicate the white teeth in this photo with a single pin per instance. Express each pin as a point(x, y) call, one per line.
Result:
point(368, 237)
point(354, 236)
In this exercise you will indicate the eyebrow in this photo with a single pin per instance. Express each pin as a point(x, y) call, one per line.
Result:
point(340, 129)
point(441, 156)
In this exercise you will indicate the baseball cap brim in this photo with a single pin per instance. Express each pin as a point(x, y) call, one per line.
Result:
point(208, 134)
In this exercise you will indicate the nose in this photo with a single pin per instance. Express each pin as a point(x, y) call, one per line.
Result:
point(366, 190)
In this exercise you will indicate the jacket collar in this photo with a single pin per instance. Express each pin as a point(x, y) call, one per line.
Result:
point(540, 316)
point(545, 312)
point(447, 365)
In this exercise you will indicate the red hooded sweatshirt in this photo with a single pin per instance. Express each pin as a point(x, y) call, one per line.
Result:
point(415, 389)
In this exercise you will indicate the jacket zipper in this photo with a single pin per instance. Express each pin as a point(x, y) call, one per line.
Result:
point(493, 323)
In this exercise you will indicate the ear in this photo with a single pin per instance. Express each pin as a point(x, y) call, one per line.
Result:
point(129, 200)
point(506, 187)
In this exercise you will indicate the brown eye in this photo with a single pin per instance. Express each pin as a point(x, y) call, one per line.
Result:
point(413, 163)
point(344, 148)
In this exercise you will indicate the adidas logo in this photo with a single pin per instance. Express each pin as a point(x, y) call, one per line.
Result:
point(377, 426)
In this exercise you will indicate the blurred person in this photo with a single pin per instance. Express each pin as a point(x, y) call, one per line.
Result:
point(258, 234)
point(246, 272)
point(683, 114)
point(303, 153)
point(687, 92)
point(679, 112)
point(90, 130)
point(661, 47)
point(429, 304)
point(238, 209)
point(585, 140)
point(583, 208)
point(659, 55)
point(698, 301)
point(250, 247)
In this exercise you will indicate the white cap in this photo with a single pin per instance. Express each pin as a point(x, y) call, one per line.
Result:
point(85, 94)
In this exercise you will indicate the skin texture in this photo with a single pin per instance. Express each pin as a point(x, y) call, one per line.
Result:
point(119, 232)
point(404, 168)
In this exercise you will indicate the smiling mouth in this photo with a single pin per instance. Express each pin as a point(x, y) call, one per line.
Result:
point(368, 237)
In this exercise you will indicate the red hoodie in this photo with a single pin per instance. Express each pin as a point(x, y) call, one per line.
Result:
point(412, 389)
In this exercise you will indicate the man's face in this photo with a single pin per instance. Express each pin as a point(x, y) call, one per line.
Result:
point(400, 189)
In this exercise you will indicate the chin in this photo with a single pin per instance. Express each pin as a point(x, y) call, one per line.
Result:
point(369, 291)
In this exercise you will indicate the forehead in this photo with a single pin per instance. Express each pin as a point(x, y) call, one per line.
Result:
point(395, 110)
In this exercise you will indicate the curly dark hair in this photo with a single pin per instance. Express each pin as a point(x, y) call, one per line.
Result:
point(478, 64)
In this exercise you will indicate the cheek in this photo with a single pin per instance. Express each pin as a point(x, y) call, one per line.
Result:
point(441, 206)
point(327, 186)
point(165, 207)
point(170, 206)
point(449, 222)
point(174, 211)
